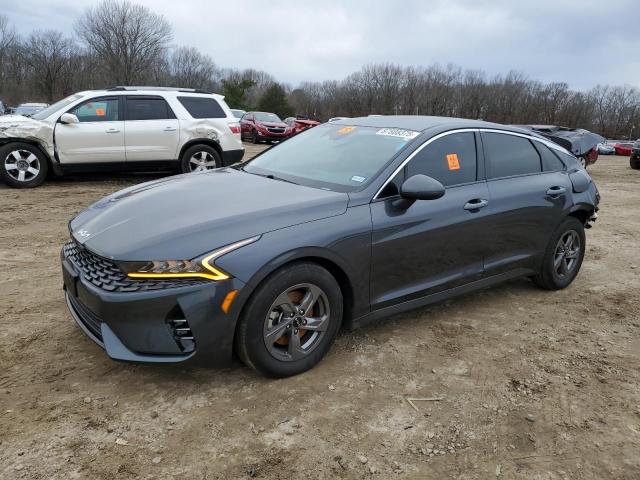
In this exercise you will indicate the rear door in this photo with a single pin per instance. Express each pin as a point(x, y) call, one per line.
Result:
point(527, 201)
point(98, 138)
point(152, 131)
point(432, 245)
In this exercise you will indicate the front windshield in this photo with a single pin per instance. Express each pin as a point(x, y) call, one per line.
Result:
point(334, 157)
point(267, 117)
point(41, 115)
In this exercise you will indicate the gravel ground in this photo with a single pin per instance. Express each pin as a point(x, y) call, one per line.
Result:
point(531, 384)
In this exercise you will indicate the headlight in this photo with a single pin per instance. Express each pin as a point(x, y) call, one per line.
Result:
point(200, 267)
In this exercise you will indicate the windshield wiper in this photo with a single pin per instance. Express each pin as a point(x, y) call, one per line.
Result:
point(269, 175)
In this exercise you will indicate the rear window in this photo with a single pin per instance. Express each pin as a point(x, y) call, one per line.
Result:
point(550, 161)
point(148, 108)
point(201, 107)
point(510, 155)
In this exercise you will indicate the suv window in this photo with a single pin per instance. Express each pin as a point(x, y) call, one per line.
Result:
point(148, 108)
point(98, 110)
point(451, 160)
point(550, 161)
point(510, 155)
point(202, 107)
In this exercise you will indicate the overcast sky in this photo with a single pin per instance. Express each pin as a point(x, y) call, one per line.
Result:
point(581, 42)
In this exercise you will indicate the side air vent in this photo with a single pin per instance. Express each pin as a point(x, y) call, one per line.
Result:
point(181, 331)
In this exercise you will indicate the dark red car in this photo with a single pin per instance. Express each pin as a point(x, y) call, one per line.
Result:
point(262, 127)
point(297, 124)
point(623, 149)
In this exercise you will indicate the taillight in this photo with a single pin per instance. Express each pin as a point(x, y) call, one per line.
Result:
point(234, 127)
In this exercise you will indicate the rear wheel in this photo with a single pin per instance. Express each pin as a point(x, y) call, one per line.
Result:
point(563, 257)
point(200, 158)
point(290, 321)
point(22, 165)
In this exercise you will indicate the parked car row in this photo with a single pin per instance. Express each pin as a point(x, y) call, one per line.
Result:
point(268, 127)
point(24, 109)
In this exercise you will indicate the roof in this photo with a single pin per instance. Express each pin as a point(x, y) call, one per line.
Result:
point(421, 122)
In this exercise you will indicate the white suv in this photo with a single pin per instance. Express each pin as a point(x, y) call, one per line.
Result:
point(121, 128)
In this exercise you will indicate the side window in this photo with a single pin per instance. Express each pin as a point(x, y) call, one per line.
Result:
point(148, 108)
point(510, 155)
point(98, 110)
point(550, 161)
point(202, 107)
point(452, 160)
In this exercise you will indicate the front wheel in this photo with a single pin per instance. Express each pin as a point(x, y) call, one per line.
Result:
point(290, 321)
point(634, 163)
point(563, 256)
point(22, 165)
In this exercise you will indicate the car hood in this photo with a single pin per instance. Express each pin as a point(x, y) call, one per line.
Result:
point(17, 126)
point(184, 216)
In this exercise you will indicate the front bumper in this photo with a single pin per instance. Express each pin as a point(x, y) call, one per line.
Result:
point(170, 325)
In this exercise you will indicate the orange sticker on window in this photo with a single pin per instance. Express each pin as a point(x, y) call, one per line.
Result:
point(454, 163)
point(100, 112)
point(345, 130)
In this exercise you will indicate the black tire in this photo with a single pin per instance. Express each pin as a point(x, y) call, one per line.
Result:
point(634, 163)
point(22, 165)
point(275, 360)
point(203, 152)
point(254, 137)
point(551, 276)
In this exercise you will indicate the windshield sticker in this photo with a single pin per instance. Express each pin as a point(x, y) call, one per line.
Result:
point(358, 178)
point(454, 163)
point(345, 130)
point(398, 132)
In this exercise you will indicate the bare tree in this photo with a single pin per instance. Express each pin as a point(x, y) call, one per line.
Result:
point(190, 68)
point(128, 40)
point(48, 54)
point(8, 39)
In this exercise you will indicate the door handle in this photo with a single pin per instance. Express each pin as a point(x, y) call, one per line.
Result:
point(170, 129)
point(113, 130)
point(556, 190)
point(476, 204)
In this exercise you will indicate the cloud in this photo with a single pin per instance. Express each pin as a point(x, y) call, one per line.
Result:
point(582, 43)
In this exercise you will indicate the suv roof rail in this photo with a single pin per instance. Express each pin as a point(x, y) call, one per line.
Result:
point(166, 89)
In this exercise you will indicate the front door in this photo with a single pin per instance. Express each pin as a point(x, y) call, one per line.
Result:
point(97, 138)
point(152, 130)
point(432, 245)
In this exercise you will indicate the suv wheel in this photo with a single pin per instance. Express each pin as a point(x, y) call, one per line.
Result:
point(634, 163)
point(200, 158)
point(563, 257)
point(22, 165)
point(290, 321)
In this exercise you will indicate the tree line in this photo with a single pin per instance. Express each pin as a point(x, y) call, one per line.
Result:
point(121, 43)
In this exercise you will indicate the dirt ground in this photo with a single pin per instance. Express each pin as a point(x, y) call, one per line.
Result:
point(533, 384)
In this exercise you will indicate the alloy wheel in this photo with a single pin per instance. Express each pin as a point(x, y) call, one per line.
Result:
point(201, 162)
point(567, 253)
point(296, 322)
point(22, 165)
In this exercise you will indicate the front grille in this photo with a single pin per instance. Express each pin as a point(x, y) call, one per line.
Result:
point(87, 317)
point(276, 130)
point(105, 274)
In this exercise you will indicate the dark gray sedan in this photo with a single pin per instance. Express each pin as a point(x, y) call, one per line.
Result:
point(345, 223)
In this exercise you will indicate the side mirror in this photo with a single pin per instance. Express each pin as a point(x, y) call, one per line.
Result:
point(69, 118)
point(421, 187)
